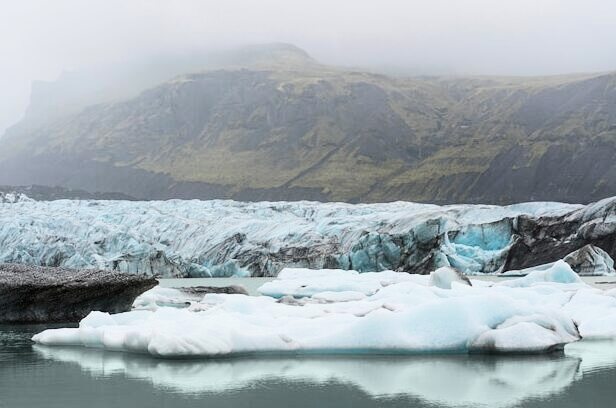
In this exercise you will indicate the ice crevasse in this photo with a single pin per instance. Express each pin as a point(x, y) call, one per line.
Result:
point(192, 238)
point(336, 311)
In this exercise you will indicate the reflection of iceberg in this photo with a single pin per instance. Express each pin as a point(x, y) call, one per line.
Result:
point(454, 380)
point(595, 355)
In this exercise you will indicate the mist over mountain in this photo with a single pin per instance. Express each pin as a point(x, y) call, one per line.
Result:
point(75, 90)
point(271, 123)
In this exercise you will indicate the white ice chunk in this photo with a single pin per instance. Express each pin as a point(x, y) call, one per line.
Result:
point(345, 296)
point(445, 276)
point(559, 272)
point(347, 312)
point(299, 282)
point(161, 297)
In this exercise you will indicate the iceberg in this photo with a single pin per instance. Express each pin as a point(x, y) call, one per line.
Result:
point(445, 277)
point(345, 312)
point(590, 260)
point(558, 272)
point(192, 238)
point(182, 297)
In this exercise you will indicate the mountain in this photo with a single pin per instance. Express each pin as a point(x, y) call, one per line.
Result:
point(75, 90)
point(280, 126)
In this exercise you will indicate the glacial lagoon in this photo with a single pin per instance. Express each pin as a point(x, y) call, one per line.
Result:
point(35, 376)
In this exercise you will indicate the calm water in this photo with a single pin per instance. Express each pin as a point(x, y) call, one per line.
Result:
point(252, 284)
point(34, 376)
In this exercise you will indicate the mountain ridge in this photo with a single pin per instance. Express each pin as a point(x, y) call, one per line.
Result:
point(295, 129)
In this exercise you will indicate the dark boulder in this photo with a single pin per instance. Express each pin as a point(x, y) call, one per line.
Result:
point(31, 294)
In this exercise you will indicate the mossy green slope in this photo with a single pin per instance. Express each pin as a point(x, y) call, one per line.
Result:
point(349, 136)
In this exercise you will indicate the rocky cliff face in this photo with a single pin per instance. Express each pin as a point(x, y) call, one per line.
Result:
point(292, 129)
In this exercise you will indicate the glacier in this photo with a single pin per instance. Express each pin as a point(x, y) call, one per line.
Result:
point(345, 312)
point(9, 197)
point(192, 238)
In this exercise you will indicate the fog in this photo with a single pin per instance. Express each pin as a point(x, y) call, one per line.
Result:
point(39, 39)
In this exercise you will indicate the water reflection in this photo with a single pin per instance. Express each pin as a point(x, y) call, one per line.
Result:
point(494, 381)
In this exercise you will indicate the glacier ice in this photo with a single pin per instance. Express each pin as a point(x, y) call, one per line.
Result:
point(445, 277)
point(558, 272)
point(349, 312)
point(591, 260)
point(13, 197)
point(182, 297)
point(193, 238)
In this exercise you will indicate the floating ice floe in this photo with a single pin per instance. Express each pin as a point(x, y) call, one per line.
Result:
point(182, 297)
point(334, 311)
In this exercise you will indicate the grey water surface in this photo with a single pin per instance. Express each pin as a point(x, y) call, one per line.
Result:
point(252, 284)
point(35, 376)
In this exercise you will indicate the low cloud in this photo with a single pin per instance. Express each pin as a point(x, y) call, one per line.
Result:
point(39, 39)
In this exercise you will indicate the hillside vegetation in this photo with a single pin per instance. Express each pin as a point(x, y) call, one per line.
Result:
point(290, 128)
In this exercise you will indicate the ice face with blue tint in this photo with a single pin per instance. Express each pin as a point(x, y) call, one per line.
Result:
point(373, 252)
point(490, 237)
point(478, 248)
point(195, 238)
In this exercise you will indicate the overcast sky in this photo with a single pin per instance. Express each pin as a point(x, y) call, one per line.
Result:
point(41, 38)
